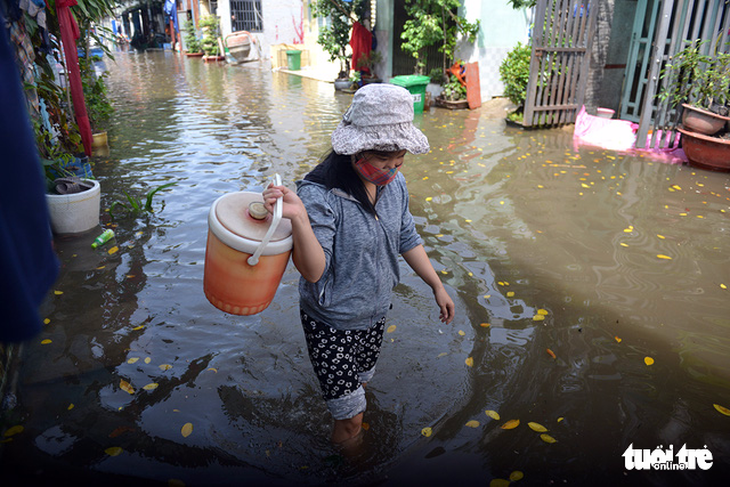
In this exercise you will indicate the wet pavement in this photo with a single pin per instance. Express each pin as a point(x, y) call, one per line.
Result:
point(591, 291)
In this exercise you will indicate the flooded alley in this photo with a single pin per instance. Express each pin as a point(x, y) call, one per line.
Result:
point(591, 292)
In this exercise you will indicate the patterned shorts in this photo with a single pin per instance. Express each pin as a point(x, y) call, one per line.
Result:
point(342, 361)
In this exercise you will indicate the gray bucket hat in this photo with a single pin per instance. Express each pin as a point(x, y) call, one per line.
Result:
point(379, 118)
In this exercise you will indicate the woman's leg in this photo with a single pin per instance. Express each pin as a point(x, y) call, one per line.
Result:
point(347, 429)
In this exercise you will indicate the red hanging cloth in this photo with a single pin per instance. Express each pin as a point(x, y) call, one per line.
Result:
point(361, 43)
point(69, 33)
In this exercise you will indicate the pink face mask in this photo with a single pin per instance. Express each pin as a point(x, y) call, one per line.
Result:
point(377, 176)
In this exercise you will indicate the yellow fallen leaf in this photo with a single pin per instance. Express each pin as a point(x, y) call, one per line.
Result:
point(492, 414)
point(113, 451)
point(723, 286)
point(661, 236)
point(126, 386)
point(472, 424)
point(498, 483)
point(537, 427)
point(113, 250)
point(426, 431)
point(57, 293)
point(511, 424)
point(510, 294)
point(187, 429)
point(136, 328)
point(623, 244)
point(165, 367)
point(132, 360)
point(13, 431)
point(46, 321)
point(648, 360)
point(442, 354)
point(560, 419)
point(46, 341)
point(538, 318)
point(547, 438)
point(516, 475)
point(213, 369)
point(469, 361)
point(151, 386)
point(485, 325)
point(543, 312)
point(551, 353)
point(618, 340)
point(391, 329)
point(366, 426)
point(722, 410)
point(70, 406)
point(584, 185)
point(677, 187)
point(662, 256)
point(461, 333)
point(147, 360)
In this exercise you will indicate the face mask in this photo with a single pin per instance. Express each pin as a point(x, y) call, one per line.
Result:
point(379, 177)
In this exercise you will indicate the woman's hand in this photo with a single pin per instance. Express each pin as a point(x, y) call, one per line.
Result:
point(293, 207)
point(445, 304)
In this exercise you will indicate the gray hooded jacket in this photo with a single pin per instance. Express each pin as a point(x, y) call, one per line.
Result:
point(361, 253)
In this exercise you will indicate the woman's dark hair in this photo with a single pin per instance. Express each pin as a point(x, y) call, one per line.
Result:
point(335, 171)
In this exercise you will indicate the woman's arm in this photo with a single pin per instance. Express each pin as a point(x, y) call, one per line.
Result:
point(307, 254)
point(419, 262)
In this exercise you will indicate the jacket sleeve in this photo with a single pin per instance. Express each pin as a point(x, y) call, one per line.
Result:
point(409, 237)
point(321, 217)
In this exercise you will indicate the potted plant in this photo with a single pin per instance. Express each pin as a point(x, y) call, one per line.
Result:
point(366, 67)
point(514, 72)
point(192, 44)
point(211, 48)
point(98, 107)
point(453, 95)
point(335, 38)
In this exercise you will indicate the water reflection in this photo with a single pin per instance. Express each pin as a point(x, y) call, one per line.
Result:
point(542, 244)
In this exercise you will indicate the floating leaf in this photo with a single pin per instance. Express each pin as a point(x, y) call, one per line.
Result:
point(485, 325)
point(618, 340)
point(137, 328)
point(113, 451)
point(498, 483)
point(537, 427)
point(469, 361)
point(722, 410)
point(677, 187)
point(723, 286)
point(461, 333)
point(662, 256)
point(57, 293)
point(46, 321)
point(492, 414)
point(516, 475)
point(165, 367)
point(551, 353)
point(648, 360)
point(366, 426)
point(46, 341)
point(391, 329)
point(472, 424)
point(547, 438)
point(426, 431)
point(132, 360)
point(13, 431)
point(442, 354)
point(538, 318)
point(113, 250)
point(661, 236)
point(126, 386)
point(543, 312)
point(151, 386)
point(560, 419)
point(511, 424)
point(187, 429)
point(584, 185)
point(70, 406)
point(510, 294)
point(147, 360)
point(213, 369)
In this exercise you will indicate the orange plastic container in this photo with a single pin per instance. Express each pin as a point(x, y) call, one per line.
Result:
point(246, 254)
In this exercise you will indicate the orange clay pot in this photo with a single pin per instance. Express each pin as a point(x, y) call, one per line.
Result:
point(233, 281)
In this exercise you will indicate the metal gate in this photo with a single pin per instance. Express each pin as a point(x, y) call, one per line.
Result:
point(561, 45)
point(680, 23)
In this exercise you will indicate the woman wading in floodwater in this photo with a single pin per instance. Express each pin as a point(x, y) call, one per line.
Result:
point(350, 221)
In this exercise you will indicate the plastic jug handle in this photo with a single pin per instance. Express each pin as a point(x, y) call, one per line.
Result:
point(278, 208)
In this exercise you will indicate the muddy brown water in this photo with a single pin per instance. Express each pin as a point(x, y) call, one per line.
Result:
point(622, 258)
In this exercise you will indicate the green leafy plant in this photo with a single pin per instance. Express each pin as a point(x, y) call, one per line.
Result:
point(136, 205)
point(210, 25)
point(369, 61)
point(514, 72)
point(695, 78)
point(335, 36)
point(191, 39)
point(435, 22)
point(454, 90)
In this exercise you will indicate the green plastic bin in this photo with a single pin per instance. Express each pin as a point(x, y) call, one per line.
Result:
point(294, 60)
point(416, 85)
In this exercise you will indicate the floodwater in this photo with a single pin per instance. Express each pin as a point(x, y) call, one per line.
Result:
point(571, 268)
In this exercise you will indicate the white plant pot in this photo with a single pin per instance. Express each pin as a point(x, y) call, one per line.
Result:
point(75, 213)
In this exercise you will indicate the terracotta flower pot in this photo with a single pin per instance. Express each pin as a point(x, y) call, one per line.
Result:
point(706, 152)
point(702, 121)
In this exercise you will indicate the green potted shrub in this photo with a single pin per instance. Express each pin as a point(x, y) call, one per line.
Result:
point(211, 49)
point(369, 62)
point(192, 44)
point(514, 72)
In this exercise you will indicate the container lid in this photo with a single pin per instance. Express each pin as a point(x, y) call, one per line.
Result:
point(232, 211)
point(410, 80)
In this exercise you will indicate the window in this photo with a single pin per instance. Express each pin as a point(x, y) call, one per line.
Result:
point(246, 15)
